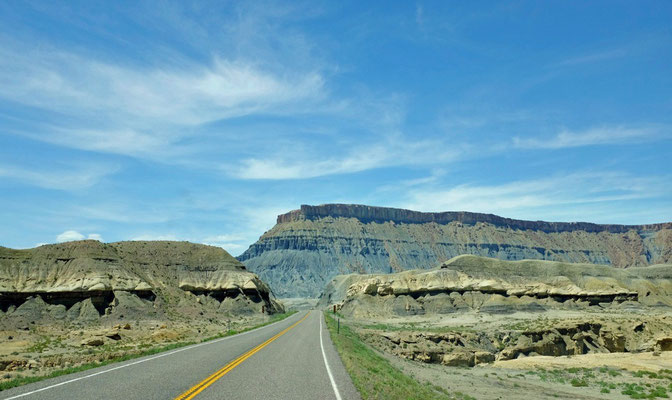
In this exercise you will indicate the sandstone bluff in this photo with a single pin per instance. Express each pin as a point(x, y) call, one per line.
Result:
point(89, 280)
point(487, 285)
point(592, 309)
point(309, 246)
point(68, 304)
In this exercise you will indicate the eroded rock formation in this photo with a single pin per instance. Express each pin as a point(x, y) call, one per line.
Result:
point(88, 280)
point(309, 246)
point(561, 309)
point(467, 283)
point(565, 338)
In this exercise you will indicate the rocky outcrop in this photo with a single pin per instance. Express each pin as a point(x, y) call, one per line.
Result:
point(551, 309)
point(88, 280)
point(309, 246)
point(565, 338)
point(468, 282)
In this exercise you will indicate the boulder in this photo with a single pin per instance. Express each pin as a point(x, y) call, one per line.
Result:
point(392, 336)
point(614, 342)
point(93, 341)
point(113, 334)
point(458, 358)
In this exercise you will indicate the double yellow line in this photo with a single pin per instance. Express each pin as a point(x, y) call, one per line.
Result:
point(191, 393)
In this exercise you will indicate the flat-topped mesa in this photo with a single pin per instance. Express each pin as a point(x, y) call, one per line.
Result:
point(309, 246)
point(368, 214)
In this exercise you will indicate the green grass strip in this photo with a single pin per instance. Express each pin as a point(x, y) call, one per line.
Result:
point(31, 379)
point(373, 375)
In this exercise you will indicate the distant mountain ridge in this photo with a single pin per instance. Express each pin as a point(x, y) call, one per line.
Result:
point(309, 246)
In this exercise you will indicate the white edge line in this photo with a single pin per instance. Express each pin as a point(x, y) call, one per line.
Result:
point(324, 356)
point(193, 346)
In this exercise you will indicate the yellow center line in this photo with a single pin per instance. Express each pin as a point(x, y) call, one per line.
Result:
point(191, 393)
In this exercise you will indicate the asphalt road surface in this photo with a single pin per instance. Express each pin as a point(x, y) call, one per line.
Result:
point(290, 359)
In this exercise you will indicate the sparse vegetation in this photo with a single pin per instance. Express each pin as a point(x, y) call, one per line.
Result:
point(579, 382)
point(417, 327)
point(646, 384)
point(374, 376)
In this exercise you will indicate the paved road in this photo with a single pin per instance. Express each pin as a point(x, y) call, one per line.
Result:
point(291, 359)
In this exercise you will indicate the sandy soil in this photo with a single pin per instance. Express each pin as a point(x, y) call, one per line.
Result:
point(525, 378)
point(648, 361)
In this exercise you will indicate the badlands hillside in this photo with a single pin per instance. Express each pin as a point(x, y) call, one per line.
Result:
point(71, 303)
point(90, 280)
point(471, 283)
point(543, 328)
point(309, 246)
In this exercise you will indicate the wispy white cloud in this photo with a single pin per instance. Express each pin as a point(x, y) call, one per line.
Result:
point(224, 238)
point(305, 168)
point(410, 184)
point(139, 213)
point(548, 197)
point(597, 56)
point(394, 150)
point(145, 111)
point(589, 137)
point(419, 15)
point(74, 178)
point(192, 94)
point(118, 141)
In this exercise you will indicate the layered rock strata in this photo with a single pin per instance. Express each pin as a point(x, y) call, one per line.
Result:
point(309, 246)
point(89, 280)
point(611, 310)
point(467, 283)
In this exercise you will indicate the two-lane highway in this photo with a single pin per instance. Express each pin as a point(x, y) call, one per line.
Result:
point(290, 359)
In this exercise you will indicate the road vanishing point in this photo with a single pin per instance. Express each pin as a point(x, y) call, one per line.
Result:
point(290, 359)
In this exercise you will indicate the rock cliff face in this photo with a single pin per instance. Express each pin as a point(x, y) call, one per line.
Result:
point(468, 282)
point(592, 309)
point(309, 246)
point(88, 280)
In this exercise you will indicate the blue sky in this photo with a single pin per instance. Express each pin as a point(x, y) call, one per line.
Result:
point(203, 121)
